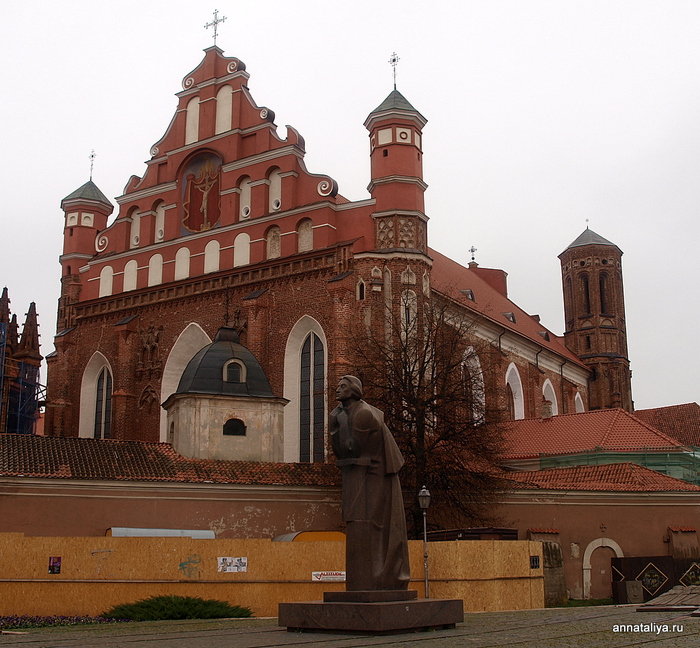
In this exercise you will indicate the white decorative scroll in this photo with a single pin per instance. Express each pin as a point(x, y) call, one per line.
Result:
point(325, 187)
point(232, 66)
point(154, 150)
point(263, 113)
point(188, 83)
point(101, 243)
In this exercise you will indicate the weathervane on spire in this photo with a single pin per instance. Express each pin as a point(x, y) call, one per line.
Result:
point(93, 155)
point(472, 249)
point(394, 61)
point(215, 23)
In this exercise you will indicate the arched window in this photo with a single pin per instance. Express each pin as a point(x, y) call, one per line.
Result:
point(549, 395)
point(234, 371)
point(245, 194)
point(311, 400)
point(192, 121)
point(585, 294)
point(241, 250)
point(155, 270)
point(131, 270)
point(103, 405)
point(211, 256)
point(106, 279)
point(316, 408)
point(275, 179)
point(273, 243)
point(514, 389)
point(159, 225)
point(182, 263)
point(409, 313)
point(603, 282)
point(578, 403)
point(360, 290)
point(305, 236)
point(224, 109)
point(474, 385)
point(234, 427)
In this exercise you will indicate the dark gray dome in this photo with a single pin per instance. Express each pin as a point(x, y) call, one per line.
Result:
point(204, 374)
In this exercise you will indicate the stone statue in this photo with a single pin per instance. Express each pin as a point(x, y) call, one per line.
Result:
point(372, 505)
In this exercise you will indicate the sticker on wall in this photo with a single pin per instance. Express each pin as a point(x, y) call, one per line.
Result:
point(54, 564)
point(228, 564)
point(332, 576)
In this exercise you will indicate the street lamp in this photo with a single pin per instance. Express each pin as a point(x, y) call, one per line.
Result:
point(424, 503)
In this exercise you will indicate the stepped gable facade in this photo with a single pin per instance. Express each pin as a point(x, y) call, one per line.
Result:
point(228, 228)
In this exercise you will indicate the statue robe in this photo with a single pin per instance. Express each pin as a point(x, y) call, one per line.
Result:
point(372, 504)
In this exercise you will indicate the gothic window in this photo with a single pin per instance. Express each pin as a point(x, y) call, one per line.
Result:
point(106, 279)
point(234, 371)
point(241, 250)
point(245, 198)
point(211, 256)
point(182, 263)
point(155, 270)
point(224, 109)
point(578, 403)
point(305, 236)
point(130, 275)
point(360, 291)
point(603, 282)
point(549, 395)
point(585, 294)
point(473, 378)
point(514, 388)
point(192, 121)
point(234, 427)
point(409, 313)
point(275, 179)
point(311, 401)
point(103, 405)
point(273, 243)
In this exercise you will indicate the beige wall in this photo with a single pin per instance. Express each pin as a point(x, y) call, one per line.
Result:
point(97, 573)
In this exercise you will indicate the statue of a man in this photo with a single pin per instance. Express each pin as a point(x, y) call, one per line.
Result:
point(369, 460)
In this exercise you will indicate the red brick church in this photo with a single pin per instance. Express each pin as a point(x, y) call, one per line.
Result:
point(227, 229)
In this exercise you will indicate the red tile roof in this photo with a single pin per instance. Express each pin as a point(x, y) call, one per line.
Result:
point(450, 278)
point(622, 477)
point(612, 430)
point(73, 458)
point(680, 422)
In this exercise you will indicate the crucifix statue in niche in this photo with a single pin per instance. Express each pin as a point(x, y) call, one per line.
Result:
point(201, 204)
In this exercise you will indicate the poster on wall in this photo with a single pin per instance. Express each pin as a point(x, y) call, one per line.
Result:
point(54, 564)
point(228, 564)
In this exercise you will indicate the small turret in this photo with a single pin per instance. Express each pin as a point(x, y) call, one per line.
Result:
point(28, 347)
point(395, 132)
point(594, 313)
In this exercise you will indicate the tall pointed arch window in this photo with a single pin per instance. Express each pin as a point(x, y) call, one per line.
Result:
point(103, 405)
point(311, 400)
point(585, 294)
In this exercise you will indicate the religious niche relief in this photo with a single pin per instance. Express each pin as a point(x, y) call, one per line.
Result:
point(201, 193)
point(148, 398)
point(149, 363)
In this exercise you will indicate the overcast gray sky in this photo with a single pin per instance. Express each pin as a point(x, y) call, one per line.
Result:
point(542, 114)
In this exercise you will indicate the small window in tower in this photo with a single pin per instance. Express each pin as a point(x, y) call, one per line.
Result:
point(360, 290)
point(234, 427)
point(588, 342)
point(70, 232)
point(385, 152)
point(234, 372)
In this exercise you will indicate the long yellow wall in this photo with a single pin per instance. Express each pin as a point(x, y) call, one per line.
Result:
point(97, 573)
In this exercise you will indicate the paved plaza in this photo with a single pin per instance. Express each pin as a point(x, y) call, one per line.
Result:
point(592, 627)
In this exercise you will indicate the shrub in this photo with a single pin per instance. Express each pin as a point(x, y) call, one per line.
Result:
point(158, 608)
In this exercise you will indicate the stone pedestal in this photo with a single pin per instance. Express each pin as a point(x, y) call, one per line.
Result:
point(372, 612)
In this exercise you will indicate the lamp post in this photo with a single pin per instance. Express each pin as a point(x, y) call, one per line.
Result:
point(424, 503)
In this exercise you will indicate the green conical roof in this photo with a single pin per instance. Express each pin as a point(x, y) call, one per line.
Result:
point(89, 191)
point(395, 101)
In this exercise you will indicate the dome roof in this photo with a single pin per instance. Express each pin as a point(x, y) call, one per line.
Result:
point(589, 237)
point(89, 191)
point(205, 373)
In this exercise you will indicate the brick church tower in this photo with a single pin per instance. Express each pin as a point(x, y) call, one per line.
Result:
point(594, 313)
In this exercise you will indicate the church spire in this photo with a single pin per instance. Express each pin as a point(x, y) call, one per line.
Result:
point(29, 342)
point(4, 307)
point(12, 334)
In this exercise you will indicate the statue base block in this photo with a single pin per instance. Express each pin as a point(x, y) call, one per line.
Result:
point(372, 617)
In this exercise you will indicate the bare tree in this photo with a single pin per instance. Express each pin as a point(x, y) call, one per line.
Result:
point(430, 374)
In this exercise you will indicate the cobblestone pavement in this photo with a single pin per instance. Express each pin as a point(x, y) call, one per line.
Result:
point(592, 627)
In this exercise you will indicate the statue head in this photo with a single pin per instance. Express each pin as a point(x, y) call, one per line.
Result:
point(349, 388)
